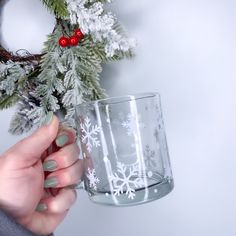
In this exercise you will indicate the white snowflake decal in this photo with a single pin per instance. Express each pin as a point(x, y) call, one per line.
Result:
point(93, 179)
point(89, 134)
point(131, 125)
point(150, 158)
point(126, 180)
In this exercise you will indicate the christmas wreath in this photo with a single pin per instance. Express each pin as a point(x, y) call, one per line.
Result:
point(67, 71)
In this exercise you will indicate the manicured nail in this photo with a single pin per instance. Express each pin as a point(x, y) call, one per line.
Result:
point(49, 165)
point(48, 118)
point(51, 182)
point(41, 207)
point(62, 140)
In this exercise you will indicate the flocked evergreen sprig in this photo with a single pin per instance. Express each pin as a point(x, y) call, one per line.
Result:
point(67, 71)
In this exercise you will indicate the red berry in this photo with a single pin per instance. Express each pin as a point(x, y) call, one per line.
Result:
point(79, 34)
point(74, 40)
point(63, 41)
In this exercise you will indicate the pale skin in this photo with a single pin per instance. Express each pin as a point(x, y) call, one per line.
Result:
point(22, 178)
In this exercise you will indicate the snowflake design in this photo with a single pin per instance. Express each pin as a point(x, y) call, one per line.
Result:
point(131, 124)
point(89, 134)
point(126, 180)
point(93, 179)
point(150, 160)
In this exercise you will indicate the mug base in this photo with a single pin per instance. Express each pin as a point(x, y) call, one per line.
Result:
point(140, 196)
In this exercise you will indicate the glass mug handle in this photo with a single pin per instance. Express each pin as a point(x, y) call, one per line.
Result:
point(78, 186)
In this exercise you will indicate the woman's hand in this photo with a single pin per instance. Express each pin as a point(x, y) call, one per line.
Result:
point(34, 174)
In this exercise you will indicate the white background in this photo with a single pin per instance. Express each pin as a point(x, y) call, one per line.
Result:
point(187, 53)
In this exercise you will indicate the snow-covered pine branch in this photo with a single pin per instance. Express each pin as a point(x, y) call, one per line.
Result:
point(12, 78)
point(27, 116)
point(100, 24)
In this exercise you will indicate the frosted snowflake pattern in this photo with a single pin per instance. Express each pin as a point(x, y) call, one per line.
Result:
point(126, 180)
point(93, 179)
point(89, 134)
point(131, 125)
point(150, 159)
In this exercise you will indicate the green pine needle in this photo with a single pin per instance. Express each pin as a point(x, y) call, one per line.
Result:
point(57, 7)
point(9, 101)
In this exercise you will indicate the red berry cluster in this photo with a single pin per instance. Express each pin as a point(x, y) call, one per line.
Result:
point(72, 40)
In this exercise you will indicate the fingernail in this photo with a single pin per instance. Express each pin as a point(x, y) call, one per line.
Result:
point(49, 165)
point(51, 182)
point(41, 207)
point(48, 118)
point(62, 140)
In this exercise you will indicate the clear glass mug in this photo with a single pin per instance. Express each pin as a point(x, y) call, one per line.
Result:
point(124, 148)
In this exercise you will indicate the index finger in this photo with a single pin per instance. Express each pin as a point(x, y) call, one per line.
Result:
point(65, 136)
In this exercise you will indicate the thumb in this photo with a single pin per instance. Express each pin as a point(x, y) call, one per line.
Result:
point(30, 149)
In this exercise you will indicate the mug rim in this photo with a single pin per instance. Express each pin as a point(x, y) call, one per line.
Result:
point(120, 99)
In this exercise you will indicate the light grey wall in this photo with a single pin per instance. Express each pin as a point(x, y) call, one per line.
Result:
point(186, 52)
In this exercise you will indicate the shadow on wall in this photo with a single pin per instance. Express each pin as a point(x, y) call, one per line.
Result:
point(132, 16)
point(2, 3)
point(109, 76)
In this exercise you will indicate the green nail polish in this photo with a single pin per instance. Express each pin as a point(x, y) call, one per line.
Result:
point(49, 165)
point(51, 182)
point(48, 118)
point(62, 140)
point(41, 207)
